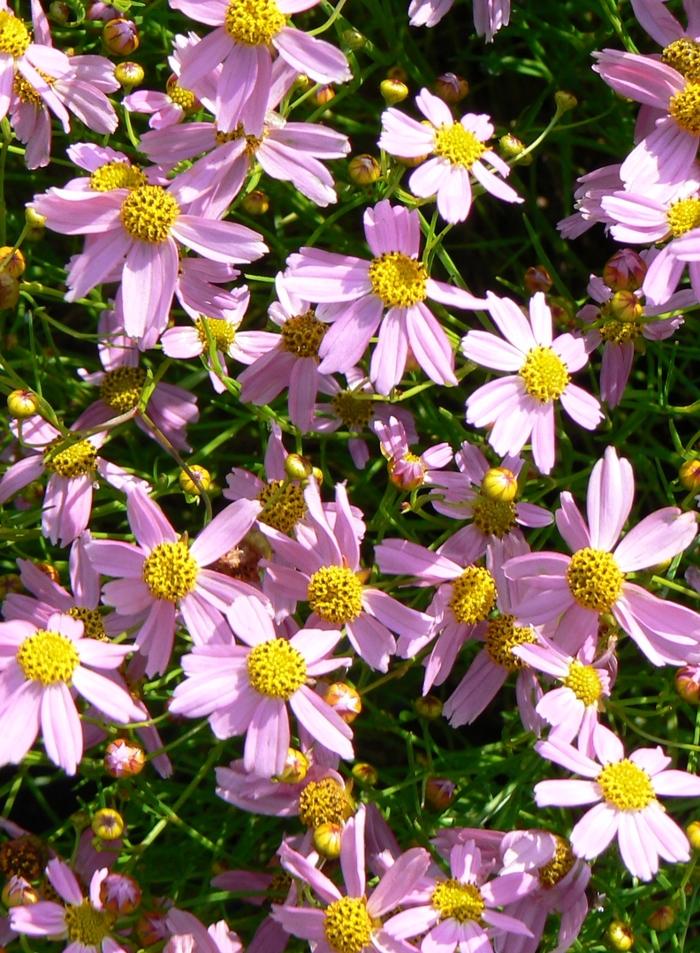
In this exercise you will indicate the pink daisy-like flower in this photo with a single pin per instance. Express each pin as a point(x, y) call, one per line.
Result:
point(408, 470)
point(522, 404)
point(163, 577)
point(588, 196)
point(246, 689)
point(662, 26)
point(489, 15)
point(572, 591)
point(41, 670)
point(625, 794)
point(390, 290)
point(171, 107)
point(458, 151)
point(243, 41)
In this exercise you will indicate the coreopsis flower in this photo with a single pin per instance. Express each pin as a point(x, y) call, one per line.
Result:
point(177, 102)
point(408, 470)
point(625, 793)
point(163, 577)
point(42, 671)
point(588, 195)
point(662, 26)
point(572, 591)
point(245, 689)
point(389, 290)
point(455, 151)
point(521, 405)
point(84, 921)
point(489, 15)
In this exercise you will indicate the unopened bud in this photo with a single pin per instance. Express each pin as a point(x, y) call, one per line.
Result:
point(565, 101)
point(451, 88)
point(59, 12)
point(537, 278)
point(256, 202)
point(195, 481)
point(693, 833)
point(625, 270)
point(323, 95)
point(687, 685)
point(689, 475)
point(22, 404)
point(624, 306)
point(297, 467)
point(49, 570)
point(393, 91)
point(121, 36)
point(620, 936)
point(302, 83)
point(439, 793)
point(12, 261)
point(353, 40)
point(365, 773)
point(9, 290)
point(344, 700)
point(18, 892)
point(501, 484)
point(36, 224)
point(662, 918)
point(296, 767)
point(327, 839)
point(429, 706)
point(397, 72)
point(120, 893)
point(317, 474)
point(511, 147)
point(107, 824)
point(124, 758)
point(364, 169)
point(129, 74)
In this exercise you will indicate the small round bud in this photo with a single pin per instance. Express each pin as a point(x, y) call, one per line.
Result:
point(9, 290)
point(428, 707)
point(451, 88)
point(364, 169)
point(565, 101)
point(511, 147)
point(624, 306)
point(317, 474)
point(59, 12)
point(501, 484)
point(689, 475)
point(121, 36)
point(620, 936)
point(120, 893)
point(195, 481)
point(297, 467)
point(537, 278)
point(296, 767)
point(439, 793)
point(18, 892)
point(662, 918)
point(693, 833)
point(323, 95)
point(12, 261)
point(107, 824)
point(397, 72)
point(344, 700)
point(688, 684)
point(327, 839)
point(625, 270)
point(33, 218)
point(124, 758)
point(151, 928)
point(22, 404)
point(365, 773)
point(256, 202)
point(353, 40)
point(129, 74)
point(302, 83)
point(393, 91)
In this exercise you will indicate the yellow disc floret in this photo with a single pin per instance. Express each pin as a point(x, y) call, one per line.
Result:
point(584, 681)
point(683, 216)
point(347, 925)
point(473, 595)
point(14, 36)
point(253, 22)
point(544, 374)
point(684, 107)
point(493, 517)
point(458, 145)
point(559, 866)
point(335, 593)
point(324, 802)
point(184, 98)
point(86, 925)
point(283, 505)
point(276, 669)
point(683, 55)
point(149, 213)
point(594, 578)
point(117, 175)
point(398, 280)
point(353, 410)
point(48, 657)
point(93, 627)
point(302, 334)
point(170, 572)
point(502, 636)
point(626, 786)
point(458, 901)
point(221, 332)
point(80, 459)
point(121, 388)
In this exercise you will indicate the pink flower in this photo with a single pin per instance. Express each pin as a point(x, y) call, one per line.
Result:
point(395, 282)
point(624, 791)
point(166, 109)
point(573, 590)
point(522, 404)
point(662, 26)
point(458, 150)
point(591, 190)
point(41, 670)
point(489, 15)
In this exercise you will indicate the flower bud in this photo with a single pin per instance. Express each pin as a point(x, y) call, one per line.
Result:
point(353, 40)
point(625, 270)
point(296, 767)
point(302, 83)
point(364, 169)
point(687, 685)
point(537, 278)
point(451, 88)
point(344, 700)
point(511, 147)
point(689, 475)
point(201, 481)
point(393, 91)
point(327, 839)
point(49, 570)
point(428, 707)
point(693, 833)
point(565, 101)
point(36, 224)
point(256, 202)
point(121, 36)
point(624, 306)
point(129, 74)
point(21, 404)
point(18, 892)
point(365, 773)
point(120, 893)
point(107, 824)
point(501, 484)
point(9, 290)
point(397, 72)
point(323, 95)
point(297, 467)
point(12, 261)
point(124, 758)
point(662, 918)
point(620, 936)
point(59, 12)
point(151, 927)
point(439, 793)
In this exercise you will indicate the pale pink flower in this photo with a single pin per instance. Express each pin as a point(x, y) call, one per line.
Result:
point(489, 15)
point(166, 109)
point(662, 26)
point(316, 789)
point(521, 405)
point(458, 151)
point(588, 197)
point(625, 794)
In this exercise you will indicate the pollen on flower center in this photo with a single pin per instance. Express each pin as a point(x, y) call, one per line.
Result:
point(48, 657)
point(14, 36)
point(117, 175)
point(683, 55)
point(544, 374)
point(458, 145)
point(276, 669)
point(24, 90)
point(335, 593)
point(283, 505)
point(551, 873)
point(347, 925)
point(85, 924)
point(684, 107)
point(683, 215)
point(594, 578)
point(170, 572)
point(398, 280)
point(354, 411)
point(253, 22)
point(149, 213)
point(458, 901)
point(302, 334)
point(584, 681)
point(323, 802)
point(93, 627)
point(69, 462)
point(626, 786)
point(184, 98)
point(121, 388)
point(222, 333)
point(473, 595)
point(502, 636)
point(493, 517)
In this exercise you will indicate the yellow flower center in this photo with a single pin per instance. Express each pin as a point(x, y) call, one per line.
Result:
point(458, 901)
point(26, 92)
point(595, 579)
point(184, 98)
point(121, 388)
point(117, 175)
point(626, 786)
point(473, 595)
point(276, 669)
point(493, 517)
point(347, 925)
point(170, 572)
point(14, 36)
point(323, 802)
point(253, 22)
point(458, 145)
point(93, 627)
point(354, 411)
point(283, 505)
point(502, 636)
point(398, 280)
point(85, 924)
point(616, 331)
point(684, 107)
point(149, 213)
point(584, 681)
point(335, 593)
point(48, 657)
point(544, 374)
point(559, 866)
point(683, 215)
point(683, 55)
point(74, 461)
point(302, 335)
point(222, 333)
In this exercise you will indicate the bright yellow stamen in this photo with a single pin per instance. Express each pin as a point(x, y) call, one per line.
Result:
point(584, 681)
point(335, 593)
point(85, 924)
point(184, 98)
point(302, 334)
point(93, 627)
point(14, 36)
point(222, 333)
point(121, 388)
point(683, 215)
point(324, 802)
point(493, 517)
point(347, 925)
point(473, 595)
point(170, 572)
point(595, 579)
point(148, 213)
point(684, 107)
point(683, 55)
point(398, 280)
point(544, 374)
point(502, 636)
point(276, 669)
point(458, 145)
point(283, 505)
point(354, 411)
point(626, 786)
point(77, 460)
point(117, 175)
point(253, 22)
point(48, 657)
point(458, 901)
point(559, 866)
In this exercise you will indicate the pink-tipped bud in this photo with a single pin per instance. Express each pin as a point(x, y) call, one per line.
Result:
point(124, 759)
point(21, 404)
point(296, 767)
point(625, 270)
point(120, 893)
point(364, 169)
point(662, 918)
point(344, 700)
point(18, 892)
point(101, 11)
point(129, 74)
point(439, 793)
point(323, 95)
point(327, 838)
point(620, 936)
point(365, 773)
point(451, 88)
point(537, 278)
point(121, 36)
point(256, 202)
point(429, 707)
point(687, 681)
point(689, 475)
point(624, 306)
